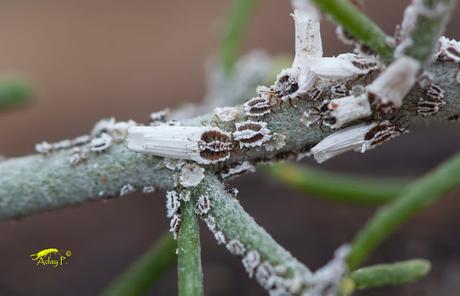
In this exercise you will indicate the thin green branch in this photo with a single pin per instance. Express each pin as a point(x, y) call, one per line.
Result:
point(431, 19)
point(141, 276)
point(360, 26)
point(14, 93)
point(338, 187)
point(390, 274)
point(416, 197)
point(234, 32)
point(189, 253)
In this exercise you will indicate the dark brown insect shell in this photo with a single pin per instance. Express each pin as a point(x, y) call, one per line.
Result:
point(364, 65)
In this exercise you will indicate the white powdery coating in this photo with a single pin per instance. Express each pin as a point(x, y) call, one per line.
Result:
point(251, 261)
point(450, 48)
point(235, 247)
point(185, 195)
point(248, 133)
point(226, 114)
point(172, 203)
point(211, 223)
point(348, 109)
point(395, 82)
point(344, 140)
point(126, 189)
point(265, 275)
point(101, 143)
point(174, 225)
point(277, 142)
point(343, 66)
point(191, 175)
point(326, 281)
point(243, 167)
point(220, 237)
point(178, 142)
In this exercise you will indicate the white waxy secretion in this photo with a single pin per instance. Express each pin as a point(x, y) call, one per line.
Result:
point(251, 133)
point(395, 82)
point(343, 66)
point(344, 140)
point(203, 145)
point(250, 262)
point(191, 175)
point(348, 109)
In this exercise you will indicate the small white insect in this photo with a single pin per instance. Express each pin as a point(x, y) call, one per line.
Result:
point(251, 261)
point(251, 133)
point(191, 175)
point(185, 195)
point(172, 203)
point(148, 189)
point(394, 83)
point(343, 66)
point(344, 140)
point(117, 130)
point(126, 189)
point(226, 114)
point(449, 50)
point(257, 106)
point(276, 142)
point(236, 248)
point(174, 225)
point(237, 169)
point(220, 237)
point(203, 204)
point(204, 145)
point(101, 143)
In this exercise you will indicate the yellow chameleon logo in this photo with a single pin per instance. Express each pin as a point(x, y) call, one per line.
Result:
point(51, 256)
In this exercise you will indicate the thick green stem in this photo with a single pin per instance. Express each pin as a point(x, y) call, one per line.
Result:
point(338, 187)
point(141, 276)
point(390, 274)
point(189, 253)
point(416, 197)
point(234, 32)
point(360, 26)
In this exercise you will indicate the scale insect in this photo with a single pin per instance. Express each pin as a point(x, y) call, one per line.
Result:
point(204, 145)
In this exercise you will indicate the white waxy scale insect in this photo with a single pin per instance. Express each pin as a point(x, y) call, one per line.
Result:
point(220, 237)
point(257, 106)
point(394, 83)
point(381, 133)
point(174, 225)
point(346, 110)
point(343, 66)
point(211, 223)
point(101, 143)
point(191, 175)
point(226, 114)
point(432, 100)
point(235, 247)
point(126, 189)
point(237, 169)
point(344, 140)
point(204, 145)
point(276, 142)
point(265, 275)
point(251, 133)
point(117, 130)
point(159, 116)
point(203, 204)
point(172, 203)
point(250, 262)
point(449, 50)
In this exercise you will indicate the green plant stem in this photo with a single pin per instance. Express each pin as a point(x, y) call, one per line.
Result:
point(14, 93)
point(416, 197)
point(338, 187)
point(189, 253)
point(234, 32)
point(390, 274)
point(428, 29)
point(141, 275)
point(360, 26)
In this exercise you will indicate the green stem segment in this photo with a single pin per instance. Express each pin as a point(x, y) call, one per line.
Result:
point(350, 189)
point(416, 197)
point(234, 32)
point(390, 274)
point(360, 26)
point(189, 252)
point(140, 277)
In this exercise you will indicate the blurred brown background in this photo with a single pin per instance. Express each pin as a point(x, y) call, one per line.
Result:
point(93, 59)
